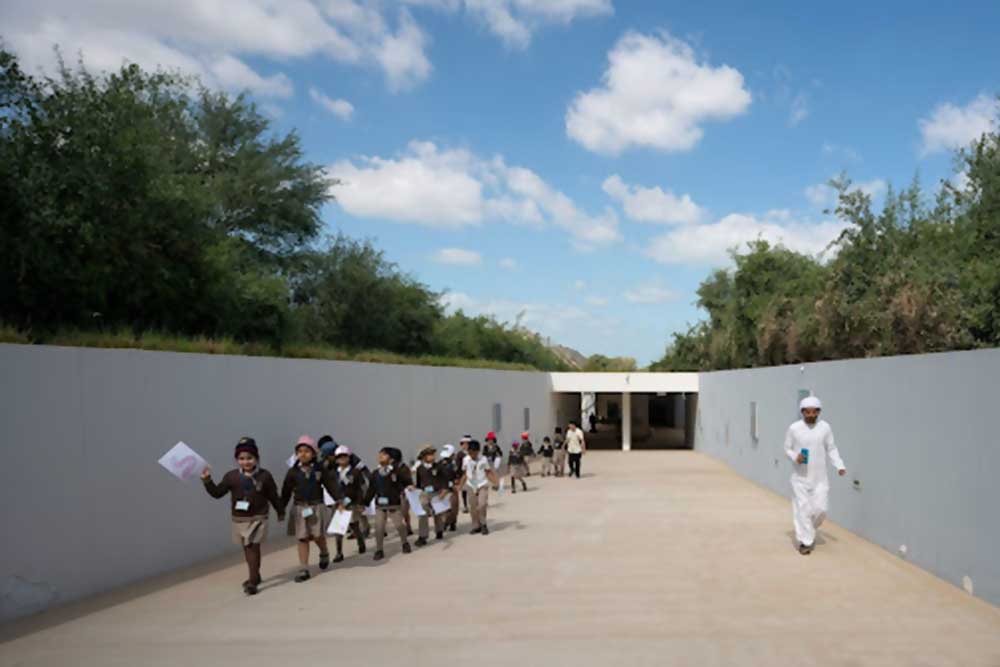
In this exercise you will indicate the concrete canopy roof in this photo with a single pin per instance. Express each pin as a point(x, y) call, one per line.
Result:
point(621, 383)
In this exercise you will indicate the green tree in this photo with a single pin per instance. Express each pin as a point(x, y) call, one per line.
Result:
point(128, 202)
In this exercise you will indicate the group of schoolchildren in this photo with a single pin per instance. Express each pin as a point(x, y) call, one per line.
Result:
point(443, 480)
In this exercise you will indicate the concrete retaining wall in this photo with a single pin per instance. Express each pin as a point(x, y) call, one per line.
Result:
point(919, 433)
point(85, 507)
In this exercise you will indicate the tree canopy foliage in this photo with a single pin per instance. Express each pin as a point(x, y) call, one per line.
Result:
point(142, 200)
point(918, 276)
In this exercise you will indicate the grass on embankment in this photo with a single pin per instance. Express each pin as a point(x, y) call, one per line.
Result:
point(201, 345)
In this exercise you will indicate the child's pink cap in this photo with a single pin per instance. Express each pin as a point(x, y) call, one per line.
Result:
point(306, 441)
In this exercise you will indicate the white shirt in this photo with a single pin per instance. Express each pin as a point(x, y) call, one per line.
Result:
point(574, 441)
point(818, 439)
point(475, 472)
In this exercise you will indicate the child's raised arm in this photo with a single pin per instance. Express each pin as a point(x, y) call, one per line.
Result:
point(214, 490)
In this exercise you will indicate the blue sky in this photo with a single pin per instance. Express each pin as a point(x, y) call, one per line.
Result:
point(583, 162)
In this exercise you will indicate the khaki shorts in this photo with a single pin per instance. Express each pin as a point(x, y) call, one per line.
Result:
point(251, 530)
point(312, 527)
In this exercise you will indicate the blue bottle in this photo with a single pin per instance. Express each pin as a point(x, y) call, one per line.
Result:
point(805, 455)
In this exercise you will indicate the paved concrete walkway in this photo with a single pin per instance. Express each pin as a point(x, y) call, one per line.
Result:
point(654, 558)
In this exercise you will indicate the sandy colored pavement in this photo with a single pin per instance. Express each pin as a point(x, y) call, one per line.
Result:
point(653, 558)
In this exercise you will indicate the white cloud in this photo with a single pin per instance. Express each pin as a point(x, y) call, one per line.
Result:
point(799, 111)
point(458, 257)
point(950, 127)
point(596, 301)
point(556, 320)
point(960, 181)
point(845, 153)
point(424, 186)
point(708, 244)
point(508, 263)
point(654, 94)
point(212, 38)
point(401, 55)
point(649, 294)
point(874, 189)
point(342, 109)
point(234, 74)
point(652, 204)
point(454, 188)
point(822, 195)
point(515, 21)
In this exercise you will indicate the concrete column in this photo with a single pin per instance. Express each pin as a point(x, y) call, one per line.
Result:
point(626, 422)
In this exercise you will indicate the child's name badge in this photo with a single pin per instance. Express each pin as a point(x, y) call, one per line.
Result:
point(383, 500)
point(242, 505)
point(428, 489)
point(307, 512)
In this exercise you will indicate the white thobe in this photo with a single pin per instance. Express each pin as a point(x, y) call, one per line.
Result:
point(810, 483)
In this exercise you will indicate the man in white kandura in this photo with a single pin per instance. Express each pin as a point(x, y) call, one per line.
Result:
point(807, 443)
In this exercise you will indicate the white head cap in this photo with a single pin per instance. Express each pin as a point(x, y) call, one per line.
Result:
point(447, 451)
point(810, 402)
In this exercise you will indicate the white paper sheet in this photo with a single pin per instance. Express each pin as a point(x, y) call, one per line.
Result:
point(441, 505)
point(370, 509)
point(340, 523)
point(327, 498)
point(183, 462)
point(413, 495)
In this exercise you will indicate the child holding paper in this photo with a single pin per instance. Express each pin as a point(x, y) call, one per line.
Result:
point(477, 475)
point(388, 484)
point(350, 481)
point(547, 453)
point(431, 481)
point(451, 473)
point(559, 444)
point(463, 451)
point(517, 467)
point(250, 489)
point(493, 454)
point(305, 482)
point(527, 452)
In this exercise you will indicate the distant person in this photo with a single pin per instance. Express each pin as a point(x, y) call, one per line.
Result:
point(593, 422)
point(388, 484)
point(451, 472)
point(431, 479)
point(332, 455)
point(463, 451)
point(527, 452)
point(350, 478)
point(517, 467)
point(559, 445)
point(494, 454)
point(575, 447)
point(477, 476)
point(808, 443)
point(303, 487)
point(547, 452)
point(250, 489)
